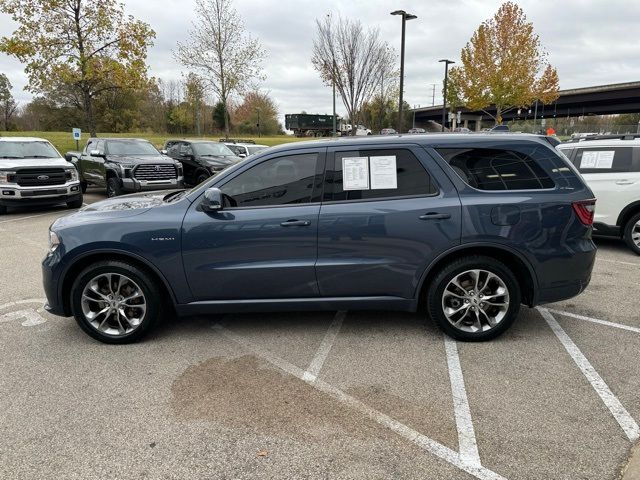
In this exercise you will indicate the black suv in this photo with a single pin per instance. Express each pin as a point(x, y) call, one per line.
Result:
point(200, 158)
point(125, 165)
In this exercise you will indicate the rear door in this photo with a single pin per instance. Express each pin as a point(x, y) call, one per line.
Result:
point(613, 174)
point(387, 213)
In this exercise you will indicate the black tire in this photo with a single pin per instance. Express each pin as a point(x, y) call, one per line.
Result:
point(436, 290)
point(114, 187)
point(76, 203)
point(153, 298)
point(628, 233)
point(83, 187)
point(3, 210)
point(201, 177)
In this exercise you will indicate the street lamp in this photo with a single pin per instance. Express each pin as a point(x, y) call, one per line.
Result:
point(444, 93)
point(405, 16)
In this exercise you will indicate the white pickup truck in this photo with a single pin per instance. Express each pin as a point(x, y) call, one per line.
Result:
point(32, 172)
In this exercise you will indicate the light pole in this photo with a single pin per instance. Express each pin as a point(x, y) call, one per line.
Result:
point(444, 93)
point(433, 94)
point(405, 16)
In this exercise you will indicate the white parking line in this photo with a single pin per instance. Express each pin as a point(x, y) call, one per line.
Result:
point(29, 216)
point(595, 320)
point(626, 421)
point(325, 347)
point(400, 429)
point(466, 435)
point(617, 261)
point(22, 302)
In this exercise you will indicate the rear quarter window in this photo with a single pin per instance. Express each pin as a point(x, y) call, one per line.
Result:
point(500, 169)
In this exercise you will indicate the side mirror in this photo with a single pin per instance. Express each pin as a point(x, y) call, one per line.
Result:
point(212, 201)
point(163, 151)
point(242, 155)
point(96, 153)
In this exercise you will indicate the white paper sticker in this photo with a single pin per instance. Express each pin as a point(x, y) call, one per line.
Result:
point(355, 173)
point(383, 172)
point(588, 160)
point(605, 159)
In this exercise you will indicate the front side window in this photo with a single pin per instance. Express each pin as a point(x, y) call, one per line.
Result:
point(372, 174)
point(605, 160)
point(278, 181)
point(496, 169)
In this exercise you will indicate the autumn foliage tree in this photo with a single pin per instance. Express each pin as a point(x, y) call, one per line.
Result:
point(84, 47)
point(8, 105)
point(503, 65)
point(257, 108)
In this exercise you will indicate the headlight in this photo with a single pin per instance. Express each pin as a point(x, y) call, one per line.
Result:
point(6, 177)
point(125, 166)
point(54, 241)
point(72, 174)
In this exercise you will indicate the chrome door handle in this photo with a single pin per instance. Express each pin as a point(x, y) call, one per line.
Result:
point(435, 216)
point(625, 182)
point(296, 223)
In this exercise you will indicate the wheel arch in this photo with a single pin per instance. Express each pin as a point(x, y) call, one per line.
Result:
point(520, 266)
point(83, 261)
point(626, 213)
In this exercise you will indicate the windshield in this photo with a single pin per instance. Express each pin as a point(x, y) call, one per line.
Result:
point(17, 149)
point(212, 148)
point(256, 149)
point(130, 147)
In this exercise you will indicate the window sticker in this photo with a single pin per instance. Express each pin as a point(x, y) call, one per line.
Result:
point(355, 173)
point(605, 159)
point(589, 160)
point(383, 172)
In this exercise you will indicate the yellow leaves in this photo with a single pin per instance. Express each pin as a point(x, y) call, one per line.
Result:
point(501, 65)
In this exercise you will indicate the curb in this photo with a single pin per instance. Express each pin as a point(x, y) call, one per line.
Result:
point(632, 470)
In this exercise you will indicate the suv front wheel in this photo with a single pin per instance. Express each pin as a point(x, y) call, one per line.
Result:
point(115, 302)
point(632, 233)
point(475, 298)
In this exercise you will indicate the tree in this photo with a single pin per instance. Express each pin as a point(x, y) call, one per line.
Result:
point(8, 105)
point(503, 65)
point(220, 51)
point(194, 97)
point(88, 45)
point(257, 108)
point(355, 59)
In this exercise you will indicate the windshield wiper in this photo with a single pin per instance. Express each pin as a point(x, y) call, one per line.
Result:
point(9, 156)
point(39, 156)
point(174, 196)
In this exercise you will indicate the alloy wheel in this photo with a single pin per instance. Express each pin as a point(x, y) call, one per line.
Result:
point(113, 304)
point(475, 301)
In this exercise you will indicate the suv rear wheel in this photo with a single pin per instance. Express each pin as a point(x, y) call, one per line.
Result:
point(475, 298)
point(632, 233)
point(115, 302)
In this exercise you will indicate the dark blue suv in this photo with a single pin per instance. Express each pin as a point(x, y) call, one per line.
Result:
point(466, 226)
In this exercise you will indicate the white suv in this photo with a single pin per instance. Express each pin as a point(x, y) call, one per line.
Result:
point(611, 167)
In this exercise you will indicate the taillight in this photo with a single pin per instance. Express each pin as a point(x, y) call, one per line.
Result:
point(584, 210)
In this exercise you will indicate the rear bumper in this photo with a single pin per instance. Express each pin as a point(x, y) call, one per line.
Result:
point(135, 185)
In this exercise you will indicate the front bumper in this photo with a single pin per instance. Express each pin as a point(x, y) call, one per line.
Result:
point(50, 279)
point(12, 195)
point(135, 185)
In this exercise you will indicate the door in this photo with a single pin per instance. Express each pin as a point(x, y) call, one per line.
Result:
point(387, 213)
point(263, 244)
point(613, 174)
point(93, 165)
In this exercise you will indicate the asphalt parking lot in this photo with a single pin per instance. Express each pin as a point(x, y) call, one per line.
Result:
point(349, 395)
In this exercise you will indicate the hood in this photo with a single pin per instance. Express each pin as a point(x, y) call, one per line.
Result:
point(142, 159)
point(228, 160)
point(14, 163)
point(117, 207)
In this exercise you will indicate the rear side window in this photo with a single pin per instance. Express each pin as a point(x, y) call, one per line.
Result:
point(410, 179)
point(605, 160)
point(497, 169)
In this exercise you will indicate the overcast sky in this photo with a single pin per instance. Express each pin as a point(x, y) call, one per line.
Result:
point(590, 42)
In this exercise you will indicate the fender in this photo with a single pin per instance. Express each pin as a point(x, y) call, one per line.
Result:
point(625, 211)
point(470, 246)
point(106, 251)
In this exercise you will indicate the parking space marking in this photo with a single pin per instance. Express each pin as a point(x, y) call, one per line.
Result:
point(29, 216)
point(617, 261)
point(466, 435)
point(325, 347)
point(622, 416)
point(422, 441)
point(595, 320)
point(22, 302)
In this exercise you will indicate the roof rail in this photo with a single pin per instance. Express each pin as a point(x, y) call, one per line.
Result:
point(621, 136)
point(237, 140)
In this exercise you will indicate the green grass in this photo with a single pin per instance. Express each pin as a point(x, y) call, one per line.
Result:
point(64, 142)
